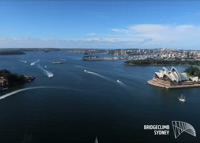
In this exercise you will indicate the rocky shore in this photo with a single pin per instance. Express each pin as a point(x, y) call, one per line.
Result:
point(9, 80)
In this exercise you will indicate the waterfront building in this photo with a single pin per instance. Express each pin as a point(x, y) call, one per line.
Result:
point(174, 79)
point(172, 75)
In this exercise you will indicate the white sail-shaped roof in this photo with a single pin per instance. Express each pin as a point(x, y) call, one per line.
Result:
point(176, 76)
point(160, 75)
point(176, 73)
point(173, 74)
point(168, 75)
point(184, 76)
point(165, 69)
point(195, 79)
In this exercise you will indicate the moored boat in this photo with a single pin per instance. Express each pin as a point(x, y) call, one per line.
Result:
point(181, 98)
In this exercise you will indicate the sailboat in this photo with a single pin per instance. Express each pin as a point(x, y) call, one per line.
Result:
point(96, 140)
point(181, 98)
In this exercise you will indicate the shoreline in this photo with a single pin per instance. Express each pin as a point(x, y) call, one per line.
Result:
point(159, 64)
point(105, 59)
point(10, 80)
point(154, 83)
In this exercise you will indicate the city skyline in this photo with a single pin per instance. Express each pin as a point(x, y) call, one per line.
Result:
point(100, 24)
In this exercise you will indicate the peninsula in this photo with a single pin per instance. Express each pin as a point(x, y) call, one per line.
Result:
point(97, 58)
point(8, 79)
point(160, 62)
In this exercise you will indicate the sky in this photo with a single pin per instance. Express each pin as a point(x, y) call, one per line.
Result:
point(100, 24)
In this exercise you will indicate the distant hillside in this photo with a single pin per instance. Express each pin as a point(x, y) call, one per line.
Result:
point(159, 62)
point(11, 52)
point(21, 51)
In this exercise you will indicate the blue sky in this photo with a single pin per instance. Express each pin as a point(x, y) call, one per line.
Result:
point(100, 24)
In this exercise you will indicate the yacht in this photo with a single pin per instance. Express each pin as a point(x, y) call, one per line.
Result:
point(181, 98)
point(57, 62)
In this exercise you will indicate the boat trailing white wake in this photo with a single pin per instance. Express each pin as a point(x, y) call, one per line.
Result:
point(121, 83)
point(46, 72)
point(103, 77)
point(33, 63)
point(23, 61)
point(96, 74)
point(29, 88)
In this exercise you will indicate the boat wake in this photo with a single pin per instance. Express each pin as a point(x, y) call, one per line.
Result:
point(23, 61)
point(33, 63)
point(78, 66)
point(30, 88)
point(46, 72)
point(96, 74)
point(62, 59)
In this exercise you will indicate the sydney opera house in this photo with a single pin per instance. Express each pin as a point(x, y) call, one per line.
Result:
point(173, 79)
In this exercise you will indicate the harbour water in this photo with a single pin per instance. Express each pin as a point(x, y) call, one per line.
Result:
point(113, 103)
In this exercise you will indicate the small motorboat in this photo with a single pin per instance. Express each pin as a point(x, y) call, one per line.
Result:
point(181, 98)
point(33, 63)
point(57, 62)
point(85, 71)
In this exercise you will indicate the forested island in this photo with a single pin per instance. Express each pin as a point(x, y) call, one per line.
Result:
point(8, 79)
point(160, 62)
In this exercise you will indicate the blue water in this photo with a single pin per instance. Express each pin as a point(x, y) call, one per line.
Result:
point(91, 105)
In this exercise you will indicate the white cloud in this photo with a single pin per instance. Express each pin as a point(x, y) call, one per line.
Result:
point(181, 35)
point(135, 36)
point(149, 28)
point(91, 34)
point(55, 43)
